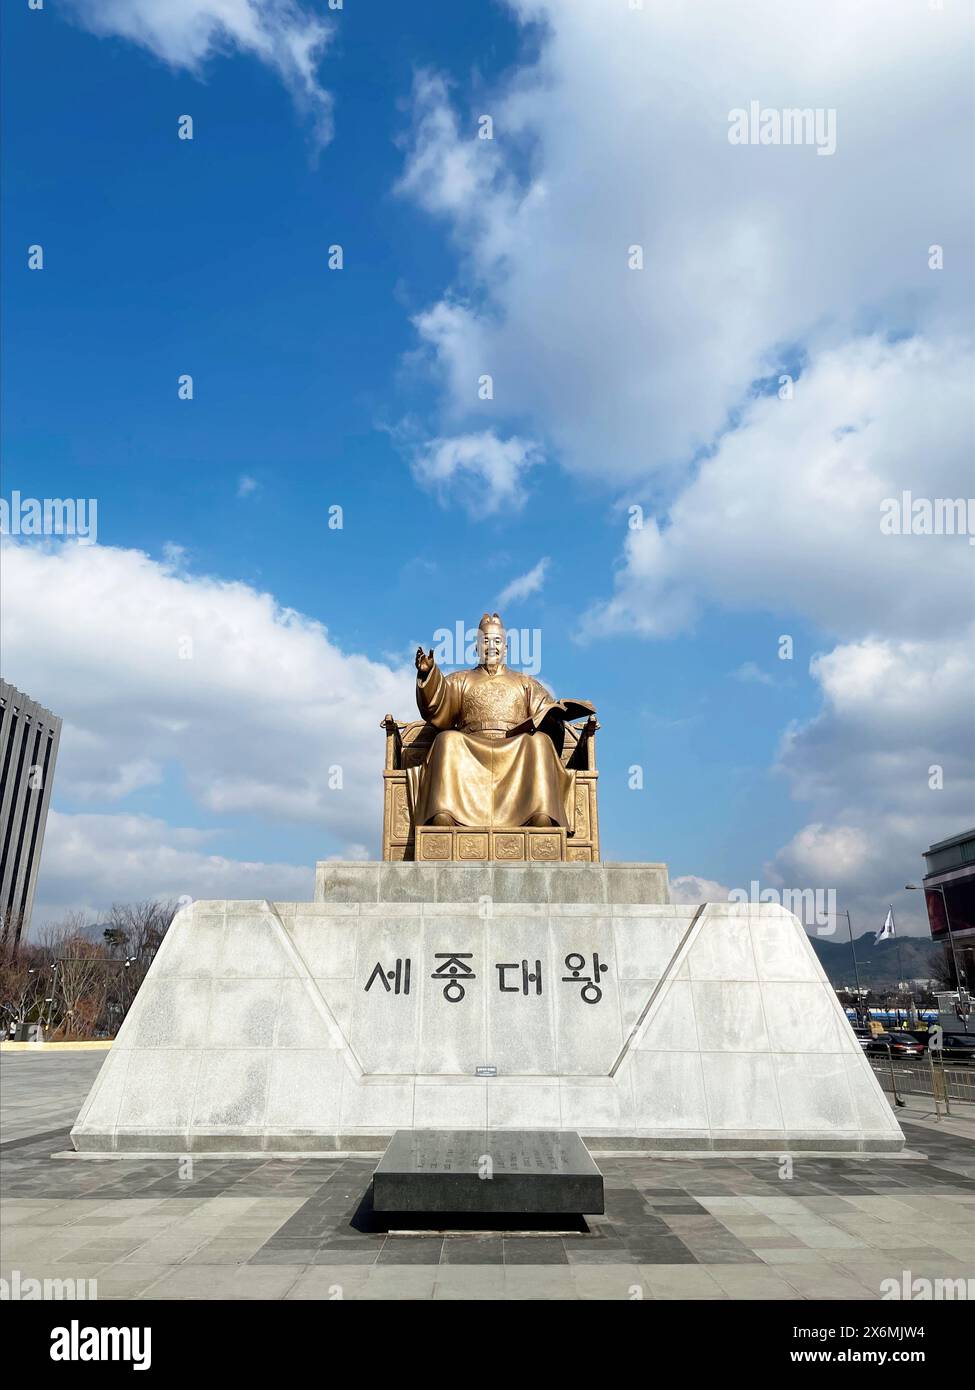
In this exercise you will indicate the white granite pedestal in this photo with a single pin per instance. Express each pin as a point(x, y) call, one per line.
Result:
point(326, 1026)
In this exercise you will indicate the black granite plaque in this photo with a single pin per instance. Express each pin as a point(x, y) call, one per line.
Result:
point(469, 1170)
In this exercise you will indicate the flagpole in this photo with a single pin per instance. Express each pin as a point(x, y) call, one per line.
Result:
point(900, 962)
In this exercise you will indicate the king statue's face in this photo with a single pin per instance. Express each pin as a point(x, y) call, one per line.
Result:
point(490, 648)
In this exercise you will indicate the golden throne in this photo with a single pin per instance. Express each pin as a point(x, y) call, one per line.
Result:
point(407, 745)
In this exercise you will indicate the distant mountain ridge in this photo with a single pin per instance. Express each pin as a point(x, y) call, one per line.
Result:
point(880, 963)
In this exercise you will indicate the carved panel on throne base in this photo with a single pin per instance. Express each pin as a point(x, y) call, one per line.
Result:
point(512, 844)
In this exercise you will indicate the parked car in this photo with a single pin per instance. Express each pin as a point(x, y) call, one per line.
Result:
point(890, 1044)
point(959, 1047)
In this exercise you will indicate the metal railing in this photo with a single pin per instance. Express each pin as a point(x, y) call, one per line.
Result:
point(928, 1076)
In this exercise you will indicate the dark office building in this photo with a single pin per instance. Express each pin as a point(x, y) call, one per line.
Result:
point(949, 889)
point(29, 736)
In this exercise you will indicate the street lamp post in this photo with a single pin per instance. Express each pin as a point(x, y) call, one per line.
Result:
point(50, 1002)
point(856, 968)
point(939, 888)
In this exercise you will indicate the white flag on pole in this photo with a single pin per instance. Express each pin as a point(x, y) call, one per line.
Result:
point(888, 928)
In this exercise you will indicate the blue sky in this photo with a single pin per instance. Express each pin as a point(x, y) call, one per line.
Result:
point(165, 256)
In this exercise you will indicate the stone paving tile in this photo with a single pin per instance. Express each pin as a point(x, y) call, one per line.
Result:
point(411, 1250)
point(704, 1221)
point(616, 1283)
point(963, 1248)
point(828, 1282)
point(891, 1264)
point(881, 1236)
point(754, 1283)
point(717, 1255)
point(469, 1282)
point(41, 1268)
point(529, 1250)
point(485, 1251)
point(397, 1282)
point(728, 1204)
point(358, 1256)
point(538, 1282)
point(681, 1281)
point(220, 1251)
point(129, 1281)
point(326, 1283)
point(781, 1241)
point(745, 1228)
point(205, 1282)
point(827, 1239)
point(592, 1255)
point(166, 1249)
point(788, 1255)
point(105, 1251)
point(663, 1252)
point(289, 1255)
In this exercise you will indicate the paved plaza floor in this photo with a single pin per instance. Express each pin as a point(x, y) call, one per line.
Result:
point(278, 1228)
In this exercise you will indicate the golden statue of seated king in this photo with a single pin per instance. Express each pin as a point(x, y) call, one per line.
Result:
point(492, 769)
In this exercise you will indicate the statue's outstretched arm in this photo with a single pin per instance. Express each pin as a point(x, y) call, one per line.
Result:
point(437, 695)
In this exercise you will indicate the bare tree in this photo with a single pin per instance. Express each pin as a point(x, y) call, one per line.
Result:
point(74, 975)
point(137, 929)
point(52, 936)
point(79, 988)
point(22, 989)
point(88, 973)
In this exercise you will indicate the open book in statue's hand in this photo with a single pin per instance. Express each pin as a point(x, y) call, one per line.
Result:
point(552, 713)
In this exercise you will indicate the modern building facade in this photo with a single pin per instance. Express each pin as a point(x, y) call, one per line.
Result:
point(29, 737)
point(949, 890)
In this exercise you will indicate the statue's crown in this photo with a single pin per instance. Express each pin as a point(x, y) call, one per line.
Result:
point(490, 620)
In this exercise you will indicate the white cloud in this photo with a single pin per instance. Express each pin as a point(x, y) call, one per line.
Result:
point(825, 855)
point(448, 171)
point(246, 485)
point(893, 714)
point(892, 710)
point(526, 584)
point(485, 472)
point(153, 668)
point(91, 861)
point(618, 137)
point(750, 673)
point(175, 555)
point(786, 514)
point(690, 888)
point(283, 34)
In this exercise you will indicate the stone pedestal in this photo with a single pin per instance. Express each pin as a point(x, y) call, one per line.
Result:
point(352, 881)
point(497, 1171)
point(418, 996)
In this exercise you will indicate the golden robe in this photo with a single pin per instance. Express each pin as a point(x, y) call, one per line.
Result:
point(474, 771)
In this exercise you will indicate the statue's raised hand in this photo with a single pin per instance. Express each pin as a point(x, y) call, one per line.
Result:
point(424, 664)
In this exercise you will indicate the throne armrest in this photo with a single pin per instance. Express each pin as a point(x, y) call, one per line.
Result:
point(579, 748)
point(394, 742)
point(407, 741)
